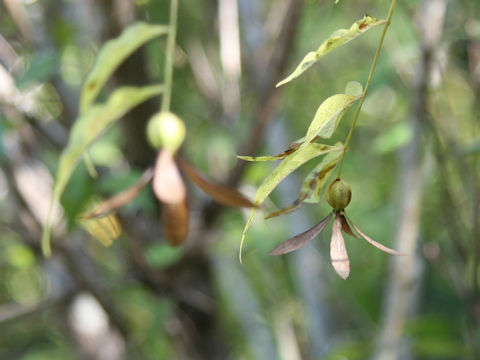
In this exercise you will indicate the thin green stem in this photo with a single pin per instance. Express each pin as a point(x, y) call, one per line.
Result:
point(167, 95)
point(367, 85)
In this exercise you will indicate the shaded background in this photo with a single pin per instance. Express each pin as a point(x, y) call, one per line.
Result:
point(413, 167)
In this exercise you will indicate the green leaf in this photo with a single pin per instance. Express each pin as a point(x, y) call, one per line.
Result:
point(316, 179)
point(291, 149)
point(314, 183)
point(85, 131)
point(268, 158)
point(335, 40)
point(328, 116)
point(287, 166)
point(113, 53)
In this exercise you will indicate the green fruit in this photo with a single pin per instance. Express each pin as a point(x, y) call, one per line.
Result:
point(166, 130)
point(339, 194)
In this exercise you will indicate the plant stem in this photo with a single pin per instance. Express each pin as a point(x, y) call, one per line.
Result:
point(167, 95)
point(367, 85)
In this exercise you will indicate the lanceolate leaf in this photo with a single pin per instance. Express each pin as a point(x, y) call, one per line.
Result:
point(313, 184)
point(335, 40)
point(268, 158)
point(298, 241)
point(291, 149)
point(85, 131)
point(221, 194)
point(113, 53)
point(328, 116)
point(288, 165)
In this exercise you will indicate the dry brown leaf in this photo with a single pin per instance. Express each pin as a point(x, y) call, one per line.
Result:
point(219, 193)
point(175, 222)
point(120, 199)
point(298, 241)
point(338, 251)
point(168, 185)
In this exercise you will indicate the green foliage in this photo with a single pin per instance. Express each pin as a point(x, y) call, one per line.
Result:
point(113, 53)
point(329, 115)
point(338, 38)
point(87, 128)
point(287, 166)
point(95, 119)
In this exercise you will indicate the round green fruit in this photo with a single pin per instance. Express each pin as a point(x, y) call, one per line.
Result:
point(166, 130)
point(339, 194)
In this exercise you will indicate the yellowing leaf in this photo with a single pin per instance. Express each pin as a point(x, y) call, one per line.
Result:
point(106, 229)
point(113, 53)
point(335, 40)
point(328, 116)
point(86, 130)
point(313, 184)
point(288, 165)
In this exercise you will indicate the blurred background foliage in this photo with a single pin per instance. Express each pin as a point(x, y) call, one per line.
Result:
point(141, 299)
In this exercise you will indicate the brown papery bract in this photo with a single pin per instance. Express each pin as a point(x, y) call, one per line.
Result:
point(175, 222)
point(338, 251)
point(168, 185)
point(373, 242)
point(220, 193)
point(298, 241)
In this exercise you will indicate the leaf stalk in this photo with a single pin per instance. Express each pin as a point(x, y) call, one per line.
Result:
point(168, 70)
point(367, 85)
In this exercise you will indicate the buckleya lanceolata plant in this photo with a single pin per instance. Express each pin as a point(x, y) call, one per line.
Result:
point(165, 133)
point(323, 125)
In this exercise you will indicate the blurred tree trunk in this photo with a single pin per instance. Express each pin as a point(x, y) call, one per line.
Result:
point(402, 291)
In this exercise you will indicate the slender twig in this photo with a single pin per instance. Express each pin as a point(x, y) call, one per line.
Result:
point(167, 95)
point(367, 85)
